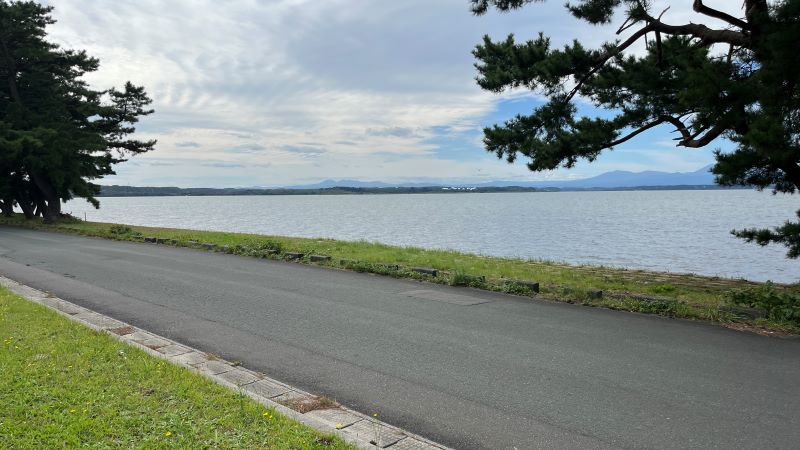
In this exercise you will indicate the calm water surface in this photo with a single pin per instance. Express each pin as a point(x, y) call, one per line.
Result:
point(677, 231)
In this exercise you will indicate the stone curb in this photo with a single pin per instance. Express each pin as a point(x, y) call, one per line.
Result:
point(351, 426)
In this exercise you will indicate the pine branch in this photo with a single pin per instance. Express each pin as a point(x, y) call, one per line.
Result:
point(634, 133)
point(699, 7)
point(711, 134)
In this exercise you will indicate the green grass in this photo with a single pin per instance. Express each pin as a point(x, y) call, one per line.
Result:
point(63, 385)
point(692, 296)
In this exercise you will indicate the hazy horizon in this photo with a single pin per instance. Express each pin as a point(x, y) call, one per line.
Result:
point(432, 181)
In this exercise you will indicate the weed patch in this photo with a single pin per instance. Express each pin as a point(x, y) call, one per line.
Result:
point(780, 305)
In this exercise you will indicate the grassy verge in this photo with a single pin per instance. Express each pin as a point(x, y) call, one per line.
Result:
point(669, 294)
point(66, 386)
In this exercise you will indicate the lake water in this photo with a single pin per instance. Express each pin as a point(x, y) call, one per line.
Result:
point(676, 231)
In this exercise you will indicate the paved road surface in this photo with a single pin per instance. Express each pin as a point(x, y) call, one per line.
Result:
point(467, 368)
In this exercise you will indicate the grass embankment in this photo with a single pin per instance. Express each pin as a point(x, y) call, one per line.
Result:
point(669, 294)
point(66, 386)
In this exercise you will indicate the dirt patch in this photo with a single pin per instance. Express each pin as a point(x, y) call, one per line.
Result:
point(122, 331)
point(324, 441)
point(307, 404)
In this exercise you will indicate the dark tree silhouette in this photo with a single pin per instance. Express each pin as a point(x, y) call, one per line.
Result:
point(735, 77)
point(56, 133)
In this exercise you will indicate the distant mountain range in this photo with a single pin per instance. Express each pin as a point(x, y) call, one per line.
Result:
point(616, 180)
point(607, 180)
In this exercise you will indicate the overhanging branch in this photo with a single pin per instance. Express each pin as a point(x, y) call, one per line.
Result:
point(712, 133)
point(680, 127)
point(699, 7)
point(634, 133)
point(706, 35)
point(607, 56)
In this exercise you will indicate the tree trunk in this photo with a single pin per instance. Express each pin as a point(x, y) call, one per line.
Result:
point(26, 207)
point(50, 203)
point(42, 210)
point(7, 207)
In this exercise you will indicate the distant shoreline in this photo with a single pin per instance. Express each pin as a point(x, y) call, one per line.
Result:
point(136, 191)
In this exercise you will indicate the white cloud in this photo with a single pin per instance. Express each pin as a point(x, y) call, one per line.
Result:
point(242, 87)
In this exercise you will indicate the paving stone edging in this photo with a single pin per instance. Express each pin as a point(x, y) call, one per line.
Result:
point(353, 427)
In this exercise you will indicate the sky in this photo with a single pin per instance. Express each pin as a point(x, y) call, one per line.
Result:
point(289, 92)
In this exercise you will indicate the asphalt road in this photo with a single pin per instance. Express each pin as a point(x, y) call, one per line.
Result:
point(467, 368)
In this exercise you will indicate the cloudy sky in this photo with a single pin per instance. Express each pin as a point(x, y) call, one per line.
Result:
point(282, 92)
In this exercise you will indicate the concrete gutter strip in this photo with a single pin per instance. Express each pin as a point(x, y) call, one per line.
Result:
point(353, 427)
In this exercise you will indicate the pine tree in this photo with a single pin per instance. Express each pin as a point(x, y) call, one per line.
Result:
point(57, 134)
point(737, 80)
